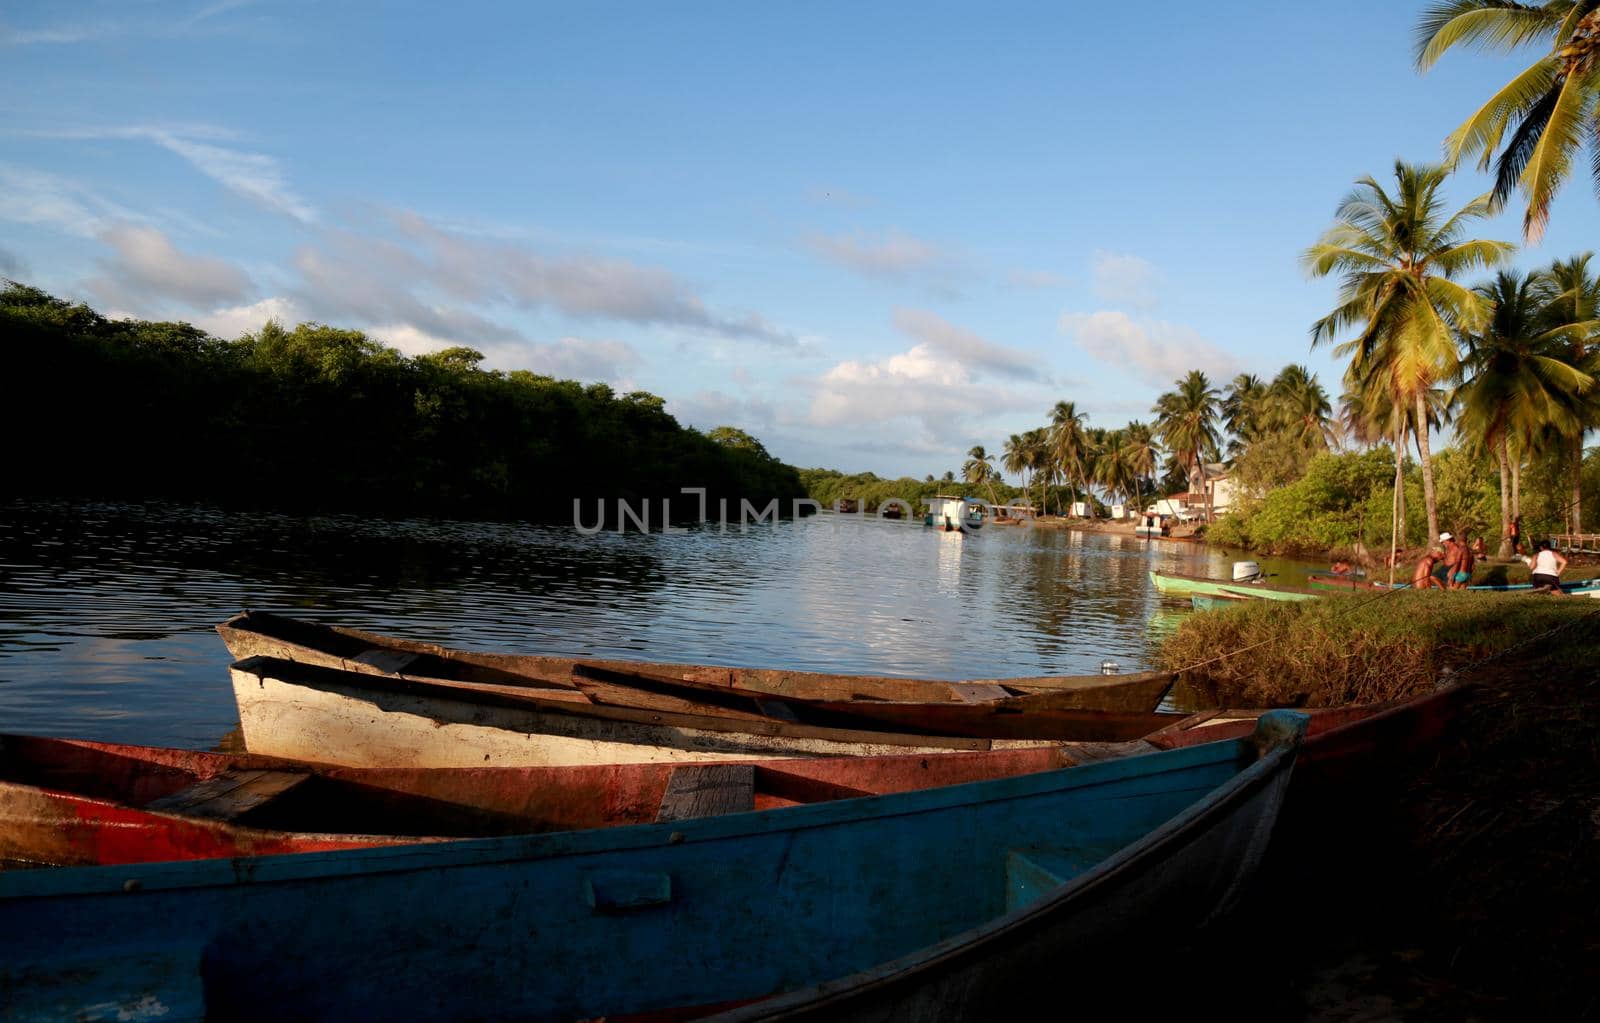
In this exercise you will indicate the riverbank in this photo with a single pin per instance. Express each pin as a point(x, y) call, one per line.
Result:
point(1469, 886)
point(1114, 527)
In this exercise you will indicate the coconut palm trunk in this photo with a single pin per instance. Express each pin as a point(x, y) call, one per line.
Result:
point(1400, 482)
point(1429, 499)
point(1505, 499)
point(1577, 483)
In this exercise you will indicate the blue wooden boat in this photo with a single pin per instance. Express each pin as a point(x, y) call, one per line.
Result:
point(966, 889)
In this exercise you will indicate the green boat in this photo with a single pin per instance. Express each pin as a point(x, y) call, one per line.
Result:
point(1216, 601)
point(1174, 584)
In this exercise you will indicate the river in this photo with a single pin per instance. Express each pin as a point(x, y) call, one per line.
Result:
point(107, 611)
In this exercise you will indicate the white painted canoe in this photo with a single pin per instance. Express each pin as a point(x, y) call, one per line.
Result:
point(332, 716)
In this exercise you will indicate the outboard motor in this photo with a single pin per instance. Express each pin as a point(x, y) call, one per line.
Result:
point(1247, 572)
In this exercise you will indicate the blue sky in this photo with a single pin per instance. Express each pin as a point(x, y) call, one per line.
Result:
point(873, 235)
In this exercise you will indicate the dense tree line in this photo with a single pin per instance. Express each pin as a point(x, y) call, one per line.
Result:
point(319, 417)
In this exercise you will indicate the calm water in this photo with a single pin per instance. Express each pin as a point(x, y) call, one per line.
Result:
point(107, 611)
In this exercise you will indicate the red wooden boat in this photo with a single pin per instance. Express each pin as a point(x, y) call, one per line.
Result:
point(75, 802)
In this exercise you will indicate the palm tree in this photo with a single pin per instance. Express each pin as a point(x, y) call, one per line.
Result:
point(1396, 256)
point(1141, 453)
point(1243, 410)
point(1037, 444)
point(1070, 446)
point(1571, 295)
point(1187, 425)
point(1299, 406)
point(1549, 109)
point(979, 470)
point(1015, 458)
point(1516, 382)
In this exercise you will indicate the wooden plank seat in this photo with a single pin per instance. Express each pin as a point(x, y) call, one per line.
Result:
point(708, 790)
point(230, 794)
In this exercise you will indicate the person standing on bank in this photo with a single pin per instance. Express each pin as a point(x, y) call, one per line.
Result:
point(1546, 566)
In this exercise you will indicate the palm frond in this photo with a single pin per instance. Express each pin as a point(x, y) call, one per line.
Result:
point(1550, 160)
point(1485, 24)
point(1514, 158)
point(1472, 255)
point(1481, 133)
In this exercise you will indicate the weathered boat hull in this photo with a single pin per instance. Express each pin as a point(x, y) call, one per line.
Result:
point(77, 803)
point(1216, 601)
point(632, 920)
point(257, 633)
point(358, 720)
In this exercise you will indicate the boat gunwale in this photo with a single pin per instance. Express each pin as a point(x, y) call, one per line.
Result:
point(247, 620)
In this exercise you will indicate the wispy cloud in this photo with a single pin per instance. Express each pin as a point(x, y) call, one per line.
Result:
point(892, 256)
point(1162, 351)
point(29, 196)
point(255, 176)
point(1125, 280)
point(423, 258)
point(85, 30)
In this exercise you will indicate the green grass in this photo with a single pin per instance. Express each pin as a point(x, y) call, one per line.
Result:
point(1361, 648)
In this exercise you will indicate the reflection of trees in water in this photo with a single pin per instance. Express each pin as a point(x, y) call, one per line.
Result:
point(322, 558)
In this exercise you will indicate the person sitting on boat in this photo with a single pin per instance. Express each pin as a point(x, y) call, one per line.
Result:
point(1455, 553)
point(1546, 566)
point(1469, 561)
point(1422, 578)
point(1340, 567)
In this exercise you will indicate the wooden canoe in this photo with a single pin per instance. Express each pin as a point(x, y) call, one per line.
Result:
point(260, 633)
point(68, 802)
point(357, 719)
point(992, 885)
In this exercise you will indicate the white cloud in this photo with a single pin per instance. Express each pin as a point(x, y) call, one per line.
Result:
point(921, 384)
point(1125, 280)
point(1164, 351)
point(233, 321)
point(146, 268)
point(966, 346)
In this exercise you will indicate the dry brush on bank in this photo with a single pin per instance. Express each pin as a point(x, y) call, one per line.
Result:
point(1362, 648)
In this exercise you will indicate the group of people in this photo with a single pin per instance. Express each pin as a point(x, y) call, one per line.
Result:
point(1449, 565)
point(1457, 559)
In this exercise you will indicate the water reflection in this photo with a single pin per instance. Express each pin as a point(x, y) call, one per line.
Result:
point(106, 610)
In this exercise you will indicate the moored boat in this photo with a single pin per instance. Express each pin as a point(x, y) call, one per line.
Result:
point(260, 633)
point(68, 802)
point(704, 912)
point(356, 719)
point(1178, 584)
